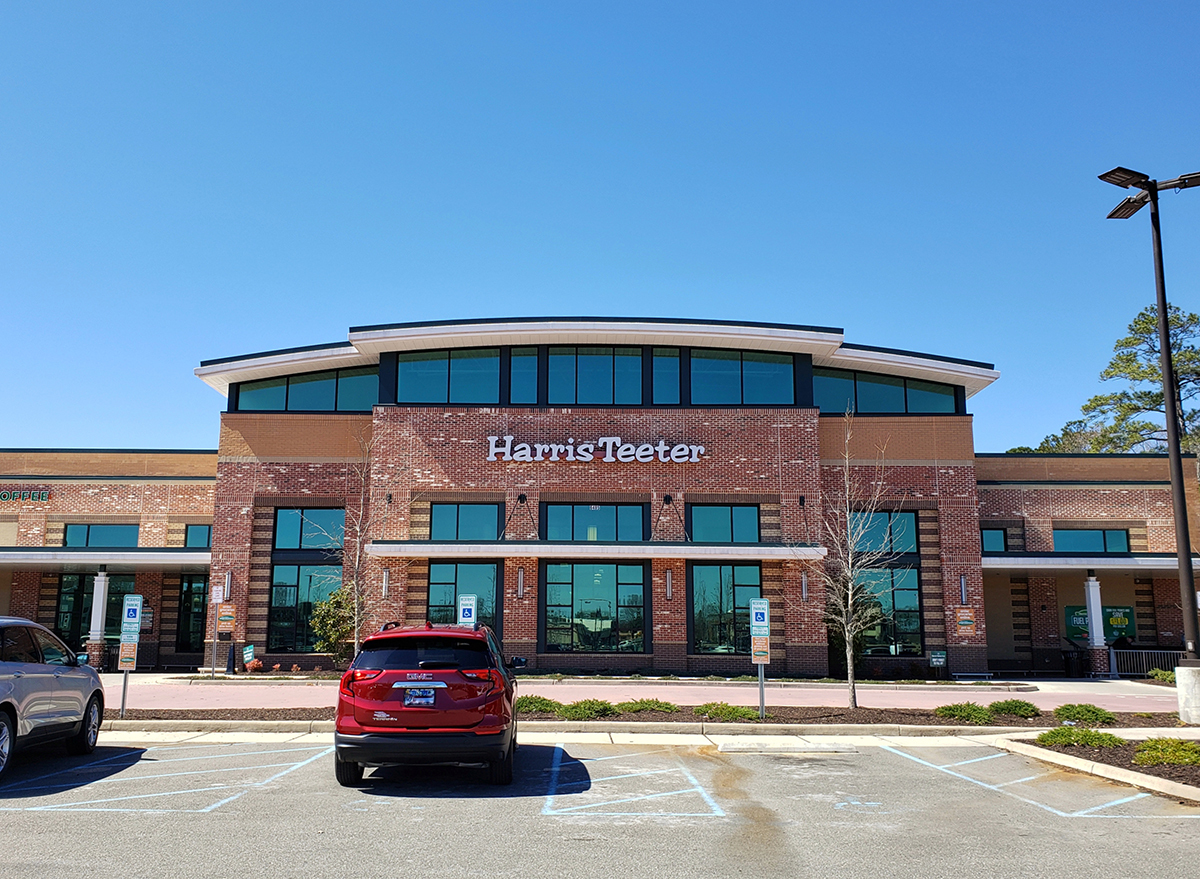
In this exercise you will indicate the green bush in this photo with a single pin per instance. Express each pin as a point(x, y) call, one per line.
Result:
point(638, 705)
point(967, 712)
point(1073, 735)
point(1015, 708)
point(1178, 752)
point(723, 712)
point(1167, 677)
point(536, 705)
point(1085, 714)
point(587, 709)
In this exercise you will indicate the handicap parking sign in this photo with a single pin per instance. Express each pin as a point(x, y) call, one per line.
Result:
point(466, 610)
point(760, 617)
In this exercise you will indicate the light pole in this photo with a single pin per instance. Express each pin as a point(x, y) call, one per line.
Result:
point(1125, 178)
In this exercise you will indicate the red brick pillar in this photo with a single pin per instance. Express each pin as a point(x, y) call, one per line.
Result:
point(667, 625)
point(520, 617)
point(1098, 660)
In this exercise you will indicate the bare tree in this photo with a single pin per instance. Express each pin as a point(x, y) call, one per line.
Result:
point(849, 531)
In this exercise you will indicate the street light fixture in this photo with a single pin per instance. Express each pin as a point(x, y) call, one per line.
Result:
point(1126, 178)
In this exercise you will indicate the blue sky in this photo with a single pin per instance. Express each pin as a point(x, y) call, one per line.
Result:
point(188, 181)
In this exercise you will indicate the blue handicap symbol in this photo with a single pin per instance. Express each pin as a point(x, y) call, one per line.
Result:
point(131, 613)
point(760, 617)
point(467, 612)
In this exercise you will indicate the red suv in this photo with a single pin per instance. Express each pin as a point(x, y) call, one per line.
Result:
point(427, 695)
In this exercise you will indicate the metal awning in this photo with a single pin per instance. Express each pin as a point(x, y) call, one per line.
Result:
point(544, 549)
point(115, 561)
point(1048, 563)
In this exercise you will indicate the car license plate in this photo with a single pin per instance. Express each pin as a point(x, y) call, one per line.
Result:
point(418, 696)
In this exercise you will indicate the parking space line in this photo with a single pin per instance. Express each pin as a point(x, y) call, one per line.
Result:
point(974, 760)
point(1082, 812)
point(117, 779)
point(636, 799)
point(1025, 779)
point(615, 777)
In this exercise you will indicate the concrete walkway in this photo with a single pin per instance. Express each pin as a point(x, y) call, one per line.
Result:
point(174, 691)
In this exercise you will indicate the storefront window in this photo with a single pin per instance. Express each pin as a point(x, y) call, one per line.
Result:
point(724, 523)
point(464, 521)
point(115, 536)
point(735, 378)
point(193, 613)
point(894, 533)
point(594, 608)
point(309, 528)
point(993, 540)
point(595, 522)
point(463, 376)
point(898, 632)
point(294, 591)
point(198, 536)
point(595, 376)
point(721, 607)
point(74, 616)
point(448, 581)
point(1090, 540)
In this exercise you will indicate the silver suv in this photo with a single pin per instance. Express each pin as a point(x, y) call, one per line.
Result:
point(46, 691)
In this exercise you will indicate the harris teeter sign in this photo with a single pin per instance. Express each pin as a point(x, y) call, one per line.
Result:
point(607, 449)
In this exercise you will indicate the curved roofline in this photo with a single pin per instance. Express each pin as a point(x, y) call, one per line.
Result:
point(826, 345)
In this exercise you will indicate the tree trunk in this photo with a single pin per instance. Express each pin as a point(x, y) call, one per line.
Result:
point(853, 694)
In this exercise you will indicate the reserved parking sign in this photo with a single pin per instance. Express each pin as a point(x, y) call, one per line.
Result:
point(466, 610)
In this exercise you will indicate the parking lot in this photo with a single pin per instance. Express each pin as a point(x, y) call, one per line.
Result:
point(267, 804)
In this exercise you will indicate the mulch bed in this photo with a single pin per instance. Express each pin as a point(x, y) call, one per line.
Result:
point(775, 714)
point(1123, 757)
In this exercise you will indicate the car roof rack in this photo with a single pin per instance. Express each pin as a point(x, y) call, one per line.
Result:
point(387, 626)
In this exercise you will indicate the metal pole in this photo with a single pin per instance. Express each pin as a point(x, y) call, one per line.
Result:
point(762, 694)
point(124, 691)
point(212, 672)
point(1183, 543)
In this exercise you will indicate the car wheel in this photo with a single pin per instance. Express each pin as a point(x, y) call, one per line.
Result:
point(348, 774)
point(6, 740)
point(501, 771)
point(84, 741)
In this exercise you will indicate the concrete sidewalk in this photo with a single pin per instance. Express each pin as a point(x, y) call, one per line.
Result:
point(150, 691)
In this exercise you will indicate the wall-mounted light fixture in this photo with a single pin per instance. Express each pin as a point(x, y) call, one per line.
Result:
point(668, 585)
point(228, 584)
point(804, 585)
point(520, 582)
point(667, 500)
point(386, 580)
point(962, 589)
point(521, 499)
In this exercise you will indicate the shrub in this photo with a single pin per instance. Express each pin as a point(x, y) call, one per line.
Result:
point(587, 709)
point(536, 705)
point(638, 705)
point(275, 667)
point(254, 665)
point(723, 712)
point(715, 678)
point(1085, 714)
point(1178, 752)
point(1167, 677)
point(967, 712)
point(1015, 708)
point(295, 669)
point(1087, 738)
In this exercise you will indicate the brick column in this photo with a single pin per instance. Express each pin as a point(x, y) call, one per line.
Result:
point(520, 617)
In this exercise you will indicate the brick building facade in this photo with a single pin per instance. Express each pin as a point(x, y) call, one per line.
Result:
point(395, 461)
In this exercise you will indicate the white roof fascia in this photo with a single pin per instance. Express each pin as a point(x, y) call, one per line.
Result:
point(1093, 562)
point(543, 550)
point(57, 559)
point(973, 378)
point(221, 375)
point(600, 332)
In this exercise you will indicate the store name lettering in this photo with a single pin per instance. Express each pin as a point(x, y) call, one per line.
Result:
point(607, 449)
point(24, 495)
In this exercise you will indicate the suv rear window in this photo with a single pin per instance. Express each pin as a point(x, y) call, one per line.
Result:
point(423, 651)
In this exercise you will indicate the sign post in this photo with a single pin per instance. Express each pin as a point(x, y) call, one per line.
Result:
point(760, 647)
point(131, 628)
point(466, 610)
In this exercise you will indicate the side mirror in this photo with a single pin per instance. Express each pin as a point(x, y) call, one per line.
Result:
point(517, 662)
point(81, 659)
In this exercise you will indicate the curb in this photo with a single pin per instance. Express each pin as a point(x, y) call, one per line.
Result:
point(1103, 770)
point(568, 726)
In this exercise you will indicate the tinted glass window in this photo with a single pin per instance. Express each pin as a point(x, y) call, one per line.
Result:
point(198, 536)
point(295, 589)
point(595, 608)
point(886, 532)
point(1090, 540)
point(448, 582)
point(898, 633)
point(595, 522)
point(768, 379)
point(309, 529)
point(721, 607)
point(268, 395)
point(627, 376)
point(833, 390)
point(716, 377)
point(475, 376)
point(16, 645)
point(595, 376)
point(424, 651)
point(357, 389)
point(725, 524)
point(193, 613)
point(74, 612)
point(561, 380)
point(54, 652)
point(880, 393)
point(75, 535)
point(666, 376)
point(523, 381)
point(464, 521)
point(101, 535)
point(993, 540)
point(930, 397)
point(423, 377)
point(315, 391)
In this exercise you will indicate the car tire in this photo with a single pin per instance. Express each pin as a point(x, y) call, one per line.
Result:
point(84, 741)
point(501, 771)
point(348, 774)
point(7, 741)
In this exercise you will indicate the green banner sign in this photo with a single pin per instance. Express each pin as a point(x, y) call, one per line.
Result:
point(1118, 622)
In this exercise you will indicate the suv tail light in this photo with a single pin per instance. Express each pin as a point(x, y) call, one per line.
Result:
point(491, 675)
point(355, 675)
